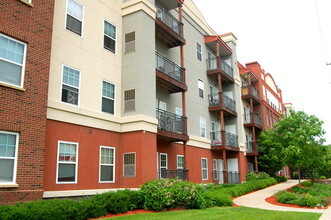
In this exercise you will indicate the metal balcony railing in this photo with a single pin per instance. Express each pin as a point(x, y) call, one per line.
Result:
point(170, 122)
point(249, 146)
point(169, 68)
point(181, 174)
point(163, 15)
point(250, 90)
point(231, 176)
point(227, 101)
point(257, 118)
point(216, 138)
point(212, 65)
point(231, 139)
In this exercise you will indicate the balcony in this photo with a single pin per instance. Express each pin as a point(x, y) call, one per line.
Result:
point(230, 141)
point(181, 174)
point(169, 75)
point(216, 65)
point(250, 148)
point(226, 104)
point(250, 92)
point(171, 127)
point(252, 120)
point(227, 177)
point(167, 28)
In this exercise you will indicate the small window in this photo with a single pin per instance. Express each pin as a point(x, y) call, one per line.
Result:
point(108, 97)
point(8, 157)
point(201, 88)
point(75, 17)
point(199, 51)
point(204, 166)
point(70, 85)
point(215, 169)
point(12, 61)
point(130, 42)
point(129, 100)
point(109, 38)
point(67, 162)
point(163, 165)
point(180, 162)
point(107, 164)
point(129, 165)
point(202, 127)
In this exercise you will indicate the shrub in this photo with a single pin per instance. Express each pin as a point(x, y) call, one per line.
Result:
point(218, 198)
point(280, 179)
point(287, 197)
point(323, 177)
point(307, 183)
point(309, 201)
point(256, 176)
point(296, 189)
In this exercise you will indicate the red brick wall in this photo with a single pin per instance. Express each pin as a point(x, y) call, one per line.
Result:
point(25, 111)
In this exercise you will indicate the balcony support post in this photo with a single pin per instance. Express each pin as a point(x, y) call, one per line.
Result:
point(225, 166)
point(256, 165)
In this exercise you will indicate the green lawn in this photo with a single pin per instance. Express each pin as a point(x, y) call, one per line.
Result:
point(231, 213)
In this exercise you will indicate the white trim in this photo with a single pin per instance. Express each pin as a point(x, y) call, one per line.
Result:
point(23, 62)
point(135, 165)
point(215, 169)
point(203, 89)
point(114, 150)
point(196, 51)
point(205, 136)
point(166, 167)
point(103, 34)
point(13, 183)
point(202, 169)
point(65, 20)
point(178, 156)
point(114, 84)
point(79, 85)
point(57, 162)
point(66, 193)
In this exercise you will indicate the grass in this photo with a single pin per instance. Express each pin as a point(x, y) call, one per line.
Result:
point(231, 213)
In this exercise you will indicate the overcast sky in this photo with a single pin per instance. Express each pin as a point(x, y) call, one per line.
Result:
point(285, 38)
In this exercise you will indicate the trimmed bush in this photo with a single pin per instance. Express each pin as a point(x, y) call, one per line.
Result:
point(280, 179)
point(307, 183)
point(256, 176)
point(309, 201)
point(219, 199)
point(287, 197)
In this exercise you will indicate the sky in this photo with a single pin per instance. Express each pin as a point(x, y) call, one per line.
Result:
point(291, 39)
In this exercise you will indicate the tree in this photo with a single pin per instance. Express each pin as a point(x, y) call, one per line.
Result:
point(295, 141)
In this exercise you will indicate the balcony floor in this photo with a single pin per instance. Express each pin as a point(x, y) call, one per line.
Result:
point(171, 136)
point(172, 85)
point(167, 35)
point(224, 147)
point(225, 77)
point(227, 111)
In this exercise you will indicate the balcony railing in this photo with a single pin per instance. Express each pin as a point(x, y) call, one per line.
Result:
point(227, 101)
point(168, 67)
point(250, 90)
point(231, 139)
point(257, 118)
point(227, 176)
point(216, 138)
point(249, 146)
point(212, 65)
point(170, 122)
point(181, 174)
point(163, 15)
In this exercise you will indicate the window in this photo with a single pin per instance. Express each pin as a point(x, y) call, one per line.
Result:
point(199, 52)
point(163, 165)
point(67, 162)
point(70, 85)
point(8, 157)
point(202, 127)
point(129, 165)
point(204, 166)
point(180, 162)
point(12, 61)
point(74, 21)
point(201, 88)
point(107, 164)
point(215, 169)
point(109, 38)
point(108, 97)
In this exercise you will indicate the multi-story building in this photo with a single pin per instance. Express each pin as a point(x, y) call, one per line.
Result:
point(262, 106)
point(25, 48)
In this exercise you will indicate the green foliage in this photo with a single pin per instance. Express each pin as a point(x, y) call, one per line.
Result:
point(218, 198)
point(287, 197)
point(307, 183)
point(280, 179)
point(256, 176)
point(323, 177)
point(309, 201)
point(169, 193)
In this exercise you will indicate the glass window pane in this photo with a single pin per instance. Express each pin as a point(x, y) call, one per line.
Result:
point(108, 105)
point(107, 173)
point(110, 30)
point(75, 9)
point(10, 73)
point(66, 173)
point(70, 76)
point(6, 170)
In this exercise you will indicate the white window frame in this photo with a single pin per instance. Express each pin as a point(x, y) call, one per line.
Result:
point(12, 158)
point(114, 164)
point(180, 156)
point(202, 88)
point(200, 52)
point(79, 85)
point(58, 162)
point(201, 119)
point(135, 165)
point(66, 13)
point(204, 169)
point(215, 169)
point(164, 154)
point(108, 97)
point(103, 34)
point(22, 65)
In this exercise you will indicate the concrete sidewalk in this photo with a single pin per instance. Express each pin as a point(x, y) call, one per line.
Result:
point(257, 200)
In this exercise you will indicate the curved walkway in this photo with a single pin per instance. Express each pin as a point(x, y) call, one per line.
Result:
point(257, 200)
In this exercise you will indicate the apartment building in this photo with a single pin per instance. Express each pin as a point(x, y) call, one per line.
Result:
point(262, 106)
point(25, 48)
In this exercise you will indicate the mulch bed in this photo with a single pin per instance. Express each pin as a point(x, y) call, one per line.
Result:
point(134, 212)
point(274, 201)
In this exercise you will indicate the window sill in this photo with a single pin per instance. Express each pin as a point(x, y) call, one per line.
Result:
point(27, 3)
point(8, 185)
point(12, 87)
